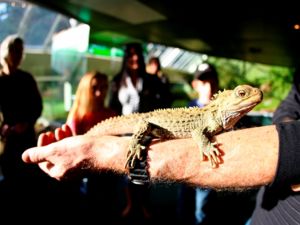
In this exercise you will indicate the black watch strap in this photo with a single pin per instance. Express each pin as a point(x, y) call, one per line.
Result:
point(139, 173)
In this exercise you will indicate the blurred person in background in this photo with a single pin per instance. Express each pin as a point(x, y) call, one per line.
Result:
point(89, 107)
point(192, 200)
point(198, 205)
point(153, 67)
point(21, 106)
point(134, 90)
point(97, 191)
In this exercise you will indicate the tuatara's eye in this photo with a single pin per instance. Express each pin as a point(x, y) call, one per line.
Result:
point(241, 93)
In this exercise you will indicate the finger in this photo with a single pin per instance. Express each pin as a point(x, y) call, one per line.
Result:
point(45, 139)
point(67, 130)
point(59, 134)
point(34, 155)
point(42, 140)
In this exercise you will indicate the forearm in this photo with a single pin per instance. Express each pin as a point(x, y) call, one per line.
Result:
point(110, 153)
point(250, 159)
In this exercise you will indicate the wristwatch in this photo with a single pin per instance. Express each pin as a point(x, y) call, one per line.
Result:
point(139, 173)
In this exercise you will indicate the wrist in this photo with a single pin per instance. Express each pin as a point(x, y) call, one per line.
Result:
point(110, 153)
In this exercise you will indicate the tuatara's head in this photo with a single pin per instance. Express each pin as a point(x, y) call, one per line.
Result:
point(231, 105)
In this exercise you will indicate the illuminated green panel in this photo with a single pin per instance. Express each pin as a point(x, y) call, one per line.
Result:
point(105, 51)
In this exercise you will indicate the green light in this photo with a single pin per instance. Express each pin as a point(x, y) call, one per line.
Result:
point(102, 50)
point(85, 15)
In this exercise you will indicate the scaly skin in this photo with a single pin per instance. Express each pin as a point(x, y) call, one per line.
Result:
point(222, 113)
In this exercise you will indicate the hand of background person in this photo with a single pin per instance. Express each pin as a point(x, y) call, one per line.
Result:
point(295, 187)
point(4, 130)
point(19, 128)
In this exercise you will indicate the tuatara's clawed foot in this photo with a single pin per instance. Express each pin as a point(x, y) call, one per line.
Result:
point(213, 155)
point(133, 155)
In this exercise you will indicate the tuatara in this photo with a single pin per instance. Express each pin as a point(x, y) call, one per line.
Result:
point(222, 113)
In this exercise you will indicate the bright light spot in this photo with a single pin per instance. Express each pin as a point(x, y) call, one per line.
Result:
point(296, 26)
point(203, 66)
point(3, 7)
point(204, 57)
point(73, 22)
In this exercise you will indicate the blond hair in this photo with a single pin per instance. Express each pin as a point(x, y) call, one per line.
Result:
point(83, 101)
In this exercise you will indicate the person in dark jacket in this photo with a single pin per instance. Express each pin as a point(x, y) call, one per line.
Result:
point(134, 90)
point(21, 106)
point(278, 203)
point(289, 108)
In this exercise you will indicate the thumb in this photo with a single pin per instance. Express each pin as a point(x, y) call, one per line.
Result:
point(33, 155)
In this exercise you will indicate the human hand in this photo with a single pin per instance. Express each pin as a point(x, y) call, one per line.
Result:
point(19, 128)
point(295, 187)
point(62, 156)
point(4, 130)
point(55, 160)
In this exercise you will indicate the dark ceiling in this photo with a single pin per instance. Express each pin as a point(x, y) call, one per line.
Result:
point(247, 30)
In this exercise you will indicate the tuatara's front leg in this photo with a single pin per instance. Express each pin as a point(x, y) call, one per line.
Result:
point(207, 148)
point(136, 145)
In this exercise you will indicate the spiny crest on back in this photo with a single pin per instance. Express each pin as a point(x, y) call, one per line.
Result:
point(170, 109)
point(218, 97)
point(215, 96)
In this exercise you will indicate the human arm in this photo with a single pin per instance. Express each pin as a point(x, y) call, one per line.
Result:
point(289, 108)
point(249, 160)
